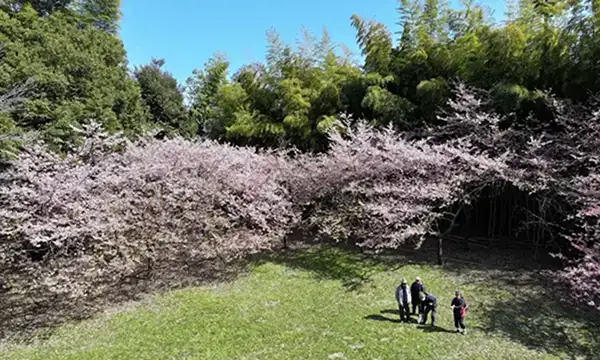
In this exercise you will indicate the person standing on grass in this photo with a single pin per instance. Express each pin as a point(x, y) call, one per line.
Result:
point(428, 304)
point(416, 288)
point(459, 308)
point(403, 298)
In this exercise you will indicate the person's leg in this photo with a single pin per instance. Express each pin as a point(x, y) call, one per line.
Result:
point(456, 323)
point(424, 315)
point(401, 311)
point(433, 315)
point(414, 307)
point(462, 325)
point(407, 312)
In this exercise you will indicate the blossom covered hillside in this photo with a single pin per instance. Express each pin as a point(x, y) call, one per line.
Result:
point(74, 226)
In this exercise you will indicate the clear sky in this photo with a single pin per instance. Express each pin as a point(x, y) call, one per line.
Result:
point(186, 33)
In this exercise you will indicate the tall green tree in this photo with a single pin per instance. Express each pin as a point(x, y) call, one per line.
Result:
point(296, 94)
point(79, 74)
point(104, 15)
point(202, 90)
point(408, 11)
point(294, 98)
point(163, 96)
point(43, 7)
point(375, 42)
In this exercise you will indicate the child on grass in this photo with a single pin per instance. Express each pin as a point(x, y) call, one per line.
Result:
point(459, 308)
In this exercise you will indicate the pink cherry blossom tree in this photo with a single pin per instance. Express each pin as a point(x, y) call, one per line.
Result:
point(113, 209)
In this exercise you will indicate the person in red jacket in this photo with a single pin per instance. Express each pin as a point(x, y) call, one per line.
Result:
point(459, 308)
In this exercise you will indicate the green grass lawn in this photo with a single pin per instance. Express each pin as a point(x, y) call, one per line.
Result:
point(328, 304)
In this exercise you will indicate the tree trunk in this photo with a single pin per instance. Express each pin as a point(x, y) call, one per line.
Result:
point(468, 228)
point(492, 221)
point(440, 259)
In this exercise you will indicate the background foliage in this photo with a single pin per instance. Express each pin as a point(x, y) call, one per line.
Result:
point(71, 51)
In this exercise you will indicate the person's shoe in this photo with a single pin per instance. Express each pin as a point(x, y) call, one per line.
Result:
point(464, 332)
point(457, 330)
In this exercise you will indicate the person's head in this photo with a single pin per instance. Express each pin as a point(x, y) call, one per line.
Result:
point(418, 279)
point(421, 295)
point(458, 294)
point(404, 282)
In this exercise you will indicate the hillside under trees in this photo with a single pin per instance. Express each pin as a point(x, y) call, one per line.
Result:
point(456, 126)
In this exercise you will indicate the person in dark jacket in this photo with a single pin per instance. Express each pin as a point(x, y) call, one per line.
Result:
point(416, 288)
point(403, 297)
point(459, 308)
point(428, 304)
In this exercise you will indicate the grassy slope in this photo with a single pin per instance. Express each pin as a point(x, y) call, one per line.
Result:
point(340, 309)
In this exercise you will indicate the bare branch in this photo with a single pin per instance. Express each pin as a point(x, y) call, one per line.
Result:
point(15, 97)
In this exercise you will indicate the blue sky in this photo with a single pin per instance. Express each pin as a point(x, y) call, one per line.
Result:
point(188, 32)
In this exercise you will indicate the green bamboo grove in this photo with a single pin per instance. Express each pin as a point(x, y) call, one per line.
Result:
point(71, 52)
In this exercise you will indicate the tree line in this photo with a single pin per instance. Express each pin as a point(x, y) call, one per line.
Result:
point(70, 54)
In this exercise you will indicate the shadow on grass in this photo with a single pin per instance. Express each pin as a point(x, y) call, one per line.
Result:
point(531, 320)
point(539, 323)
point(391, 311)
point(354, 269)
point(29, 311)
point(412, 319)
point(28, 308)
point(378, 317)
point(434, 329)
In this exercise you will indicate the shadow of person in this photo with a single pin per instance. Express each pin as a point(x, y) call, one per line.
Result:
point(413, 320)
point(390, 311)
point(431, 329)
point(378, 317)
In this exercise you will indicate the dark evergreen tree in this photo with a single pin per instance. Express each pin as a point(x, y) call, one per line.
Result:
point(162, 95)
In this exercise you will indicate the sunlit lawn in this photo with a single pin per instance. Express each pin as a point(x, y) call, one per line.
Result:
point(324, 304)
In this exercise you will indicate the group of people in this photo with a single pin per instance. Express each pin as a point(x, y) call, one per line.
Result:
point(426, 303)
